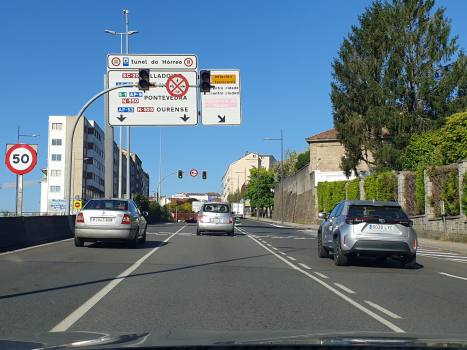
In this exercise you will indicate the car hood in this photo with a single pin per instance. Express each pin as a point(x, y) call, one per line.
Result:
point(98, 340)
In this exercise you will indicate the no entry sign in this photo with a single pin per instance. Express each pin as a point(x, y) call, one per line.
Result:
point(21, 159)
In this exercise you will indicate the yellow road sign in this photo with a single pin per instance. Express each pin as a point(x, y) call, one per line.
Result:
point(223, 79)
point(77, 204)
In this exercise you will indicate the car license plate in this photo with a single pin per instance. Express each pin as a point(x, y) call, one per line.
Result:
point(216, 221)
point(379, 227)
point(102, 219)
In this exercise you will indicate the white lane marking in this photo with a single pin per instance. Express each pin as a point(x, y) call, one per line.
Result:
point(304, 266)
point(382, 309)
point(159, 234)
point(321, 275)
point(275, 248)
point(79, 312)
point(291, 258)
point(281, 252)
point(269, 245)
point(446, 274)
point(350, 291)
point(279, 226)
point(334, 290)
point(36, 246)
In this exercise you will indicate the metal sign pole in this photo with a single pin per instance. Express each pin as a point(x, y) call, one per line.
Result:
point(19, 209)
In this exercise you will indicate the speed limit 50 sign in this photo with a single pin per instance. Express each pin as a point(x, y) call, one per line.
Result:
point(21, 158)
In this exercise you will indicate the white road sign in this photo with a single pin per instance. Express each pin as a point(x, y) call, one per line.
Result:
point(222, 106)
point(21, 158)
point(176, 62)
point(174, 105)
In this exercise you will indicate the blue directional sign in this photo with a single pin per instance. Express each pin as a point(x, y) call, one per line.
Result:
point(124, 83)
point(126, 109)
point(136, 94)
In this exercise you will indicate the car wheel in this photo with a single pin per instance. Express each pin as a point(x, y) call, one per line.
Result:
point(232, 233)
point(198, 233)
point(408, 262)
point(133, 244)
point(142, 240)
point(322, 253)
point(339, 258)
point(78, 242)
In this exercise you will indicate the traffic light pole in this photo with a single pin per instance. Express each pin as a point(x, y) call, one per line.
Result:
point(157, 188)
point(70, 143)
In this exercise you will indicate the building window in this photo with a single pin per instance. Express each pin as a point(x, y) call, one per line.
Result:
point(55, 173)
point(56, 157)
point(56, 142)
point(54, 188)
point(57, 126)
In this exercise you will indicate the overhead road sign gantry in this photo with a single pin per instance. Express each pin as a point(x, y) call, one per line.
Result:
point(170, 100)
point(222, 105)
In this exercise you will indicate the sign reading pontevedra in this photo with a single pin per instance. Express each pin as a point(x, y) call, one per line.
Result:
point(222, 105)
point(173, 104)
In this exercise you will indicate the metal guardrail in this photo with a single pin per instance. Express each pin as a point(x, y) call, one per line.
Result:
point(32, 213)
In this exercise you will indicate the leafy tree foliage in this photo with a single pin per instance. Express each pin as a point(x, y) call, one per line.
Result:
point(394, 77)
point(181, 206)
point(266, 183)
point(302, 160)
point(290, 162)
point(441, 147)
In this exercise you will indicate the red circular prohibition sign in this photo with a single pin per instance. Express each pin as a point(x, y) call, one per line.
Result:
point(177, 85)
point(194, 172)
point(12, 166)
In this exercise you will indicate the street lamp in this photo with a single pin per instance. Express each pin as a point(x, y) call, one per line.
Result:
point(18, 179)
point(127, 33)
point(282, 173)
point(72, 164)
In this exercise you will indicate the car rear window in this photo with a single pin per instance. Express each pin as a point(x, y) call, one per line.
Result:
point(216, 208)
point(377, 212)
point(106, 204)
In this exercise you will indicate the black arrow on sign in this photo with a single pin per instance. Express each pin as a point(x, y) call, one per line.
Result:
point(222, 119)
point(184, 118)
point(121, 118)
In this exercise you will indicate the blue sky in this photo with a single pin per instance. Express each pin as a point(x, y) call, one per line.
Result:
point(283, 49)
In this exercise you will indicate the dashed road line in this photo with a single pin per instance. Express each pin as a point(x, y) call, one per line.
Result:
point(291, 258)
point(350, 291)
point(453, 276)
point(382, 309)
point(321, 275)
point(304, 266)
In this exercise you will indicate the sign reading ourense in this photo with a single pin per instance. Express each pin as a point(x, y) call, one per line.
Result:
point(173, 102)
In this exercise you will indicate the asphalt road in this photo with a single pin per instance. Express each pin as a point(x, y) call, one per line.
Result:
point(265, 278)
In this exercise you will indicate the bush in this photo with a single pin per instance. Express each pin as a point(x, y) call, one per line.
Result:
point(381, 187)
point(420, 190)
point(353, 189)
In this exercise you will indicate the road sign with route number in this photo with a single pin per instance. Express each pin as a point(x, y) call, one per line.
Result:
point(222, 105)
point(175, 104)
point(21, 158)
point(194, 172)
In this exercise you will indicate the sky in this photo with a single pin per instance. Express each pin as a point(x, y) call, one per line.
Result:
point(53, 61)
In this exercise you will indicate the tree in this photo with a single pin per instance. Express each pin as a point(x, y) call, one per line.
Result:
point(394, 78)
point(303, 159)
point(142, 202)
point(266, 183)
point(290, 162)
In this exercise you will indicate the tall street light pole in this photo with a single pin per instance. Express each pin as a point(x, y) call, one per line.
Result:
point(282, 173)
point(120, 156)
point(19, 183)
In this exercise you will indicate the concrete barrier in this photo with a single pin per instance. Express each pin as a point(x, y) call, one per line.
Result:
point(19, 232)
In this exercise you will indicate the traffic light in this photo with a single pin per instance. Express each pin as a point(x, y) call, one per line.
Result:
point(204, 175)
point(143, 83)
point(180, 174)
point(205, 81)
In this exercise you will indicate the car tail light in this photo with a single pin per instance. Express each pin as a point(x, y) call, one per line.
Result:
point(126, 219)
point(414, 244)
point(230, 220)
point(354, 221)
point(80, 218)
point(407, 223)
point(201, 218)
point(345, 239)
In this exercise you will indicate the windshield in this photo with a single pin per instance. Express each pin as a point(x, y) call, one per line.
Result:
point(376, 211)
point(216, 208)
point(106, 204)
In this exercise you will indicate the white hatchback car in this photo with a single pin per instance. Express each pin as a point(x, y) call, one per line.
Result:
point(103, 219)
point(215, 217)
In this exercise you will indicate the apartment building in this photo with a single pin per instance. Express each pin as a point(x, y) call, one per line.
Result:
point(87, 166)
point(236, 176)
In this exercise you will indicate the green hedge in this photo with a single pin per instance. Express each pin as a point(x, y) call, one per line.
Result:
point(450, 194)
point(464, 194)
point(420, 190)
point(331, 193)
point(381, 187)
point(353, 189)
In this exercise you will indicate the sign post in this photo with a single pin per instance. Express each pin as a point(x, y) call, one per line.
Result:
point(20, 159)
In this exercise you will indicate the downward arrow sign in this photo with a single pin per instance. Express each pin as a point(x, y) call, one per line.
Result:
point(184, 118)
point(121, 118)
point(222, 119)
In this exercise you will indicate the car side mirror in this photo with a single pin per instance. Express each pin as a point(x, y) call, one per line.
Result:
point(145, 213)
point(322, 216)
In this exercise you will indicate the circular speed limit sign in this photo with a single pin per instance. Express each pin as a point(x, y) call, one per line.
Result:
point(21, 159)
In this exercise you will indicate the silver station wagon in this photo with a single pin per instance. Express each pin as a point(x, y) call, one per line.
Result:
point(215, 217)
point(103, 219)
point(367, 228)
